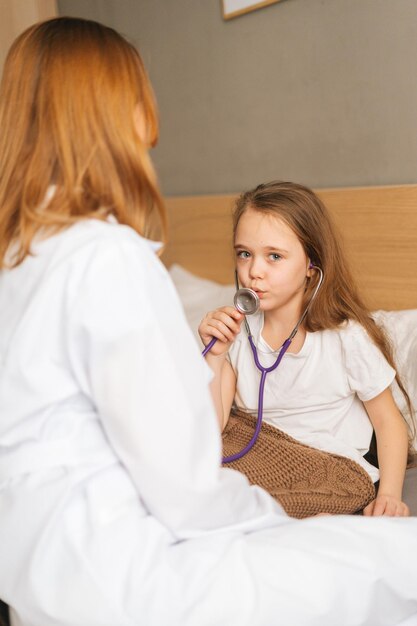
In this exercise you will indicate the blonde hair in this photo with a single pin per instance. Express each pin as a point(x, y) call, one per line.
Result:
point(338, 298)
point(70, 92)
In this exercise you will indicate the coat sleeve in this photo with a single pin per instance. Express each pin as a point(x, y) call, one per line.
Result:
point(136, 359)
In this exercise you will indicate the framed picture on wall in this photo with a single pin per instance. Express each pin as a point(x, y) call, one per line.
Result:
point(233, 8)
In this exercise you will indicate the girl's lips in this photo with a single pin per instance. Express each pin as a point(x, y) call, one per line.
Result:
point(260, 294)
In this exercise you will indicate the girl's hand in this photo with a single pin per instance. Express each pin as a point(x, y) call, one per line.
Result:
point(224, 324)
point(387, 505)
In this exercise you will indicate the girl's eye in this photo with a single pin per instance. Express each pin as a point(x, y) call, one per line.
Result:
point(242, 254)
point(274, 256)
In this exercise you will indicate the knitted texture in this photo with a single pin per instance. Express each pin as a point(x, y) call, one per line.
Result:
point(305, 481)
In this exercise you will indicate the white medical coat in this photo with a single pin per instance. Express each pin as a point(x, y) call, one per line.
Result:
point(114, 509)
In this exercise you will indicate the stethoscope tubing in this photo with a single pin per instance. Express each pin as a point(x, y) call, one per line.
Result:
point(209, 346)
point(264, 371)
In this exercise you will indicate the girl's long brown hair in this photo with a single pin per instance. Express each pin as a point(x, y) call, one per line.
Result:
point(70, 92)
point(338, 298)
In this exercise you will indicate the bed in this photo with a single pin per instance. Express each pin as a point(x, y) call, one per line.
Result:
point(379, 230)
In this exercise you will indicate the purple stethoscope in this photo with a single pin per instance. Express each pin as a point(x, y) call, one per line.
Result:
point(246, 301)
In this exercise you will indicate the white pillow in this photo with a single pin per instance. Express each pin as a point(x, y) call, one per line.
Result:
point(199, 296)
point(401, 327)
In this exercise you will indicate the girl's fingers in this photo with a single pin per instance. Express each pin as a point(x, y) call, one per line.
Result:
point(231, 319)
point(381, 508)
point(223, 324)
point(221, 321)
point(369, 509)
point(227, 323)
point(388, 506)
point(230, 310)
point(207, 332)
point(402, 510)
point(219, 329)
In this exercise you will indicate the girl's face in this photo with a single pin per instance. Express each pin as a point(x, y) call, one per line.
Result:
point(271, 260)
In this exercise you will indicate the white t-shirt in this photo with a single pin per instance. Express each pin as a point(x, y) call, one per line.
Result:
point(316, 395)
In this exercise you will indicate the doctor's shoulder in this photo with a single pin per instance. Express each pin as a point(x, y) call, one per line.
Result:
point(91, 239)
point(93, 254)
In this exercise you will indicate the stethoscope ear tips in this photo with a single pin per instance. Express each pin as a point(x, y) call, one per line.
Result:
point(246, 301)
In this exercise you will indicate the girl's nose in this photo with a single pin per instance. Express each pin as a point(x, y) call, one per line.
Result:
point(256, 269)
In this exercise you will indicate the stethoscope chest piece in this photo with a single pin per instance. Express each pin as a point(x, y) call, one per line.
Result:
point(246, 301)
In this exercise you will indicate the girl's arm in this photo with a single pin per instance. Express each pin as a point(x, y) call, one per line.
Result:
point(392, 443)
point(224, 324)
point(223, 387)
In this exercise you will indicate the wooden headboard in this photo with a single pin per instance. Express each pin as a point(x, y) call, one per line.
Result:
point(378, 226)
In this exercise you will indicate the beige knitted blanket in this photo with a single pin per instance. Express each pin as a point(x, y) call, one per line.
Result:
point(305, 481)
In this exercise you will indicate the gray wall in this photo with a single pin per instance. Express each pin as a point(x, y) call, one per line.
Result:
point(322, 92)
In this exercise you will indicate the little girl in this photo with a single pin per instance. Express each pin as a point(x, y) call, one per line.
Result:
point(332, 389)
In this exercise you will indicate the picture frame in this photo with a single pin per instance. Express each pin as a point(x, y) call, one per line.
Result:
point(234, 8)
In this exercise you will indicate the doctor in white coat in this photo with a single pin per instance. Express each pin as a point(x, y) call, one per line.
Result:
point(114, 508)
